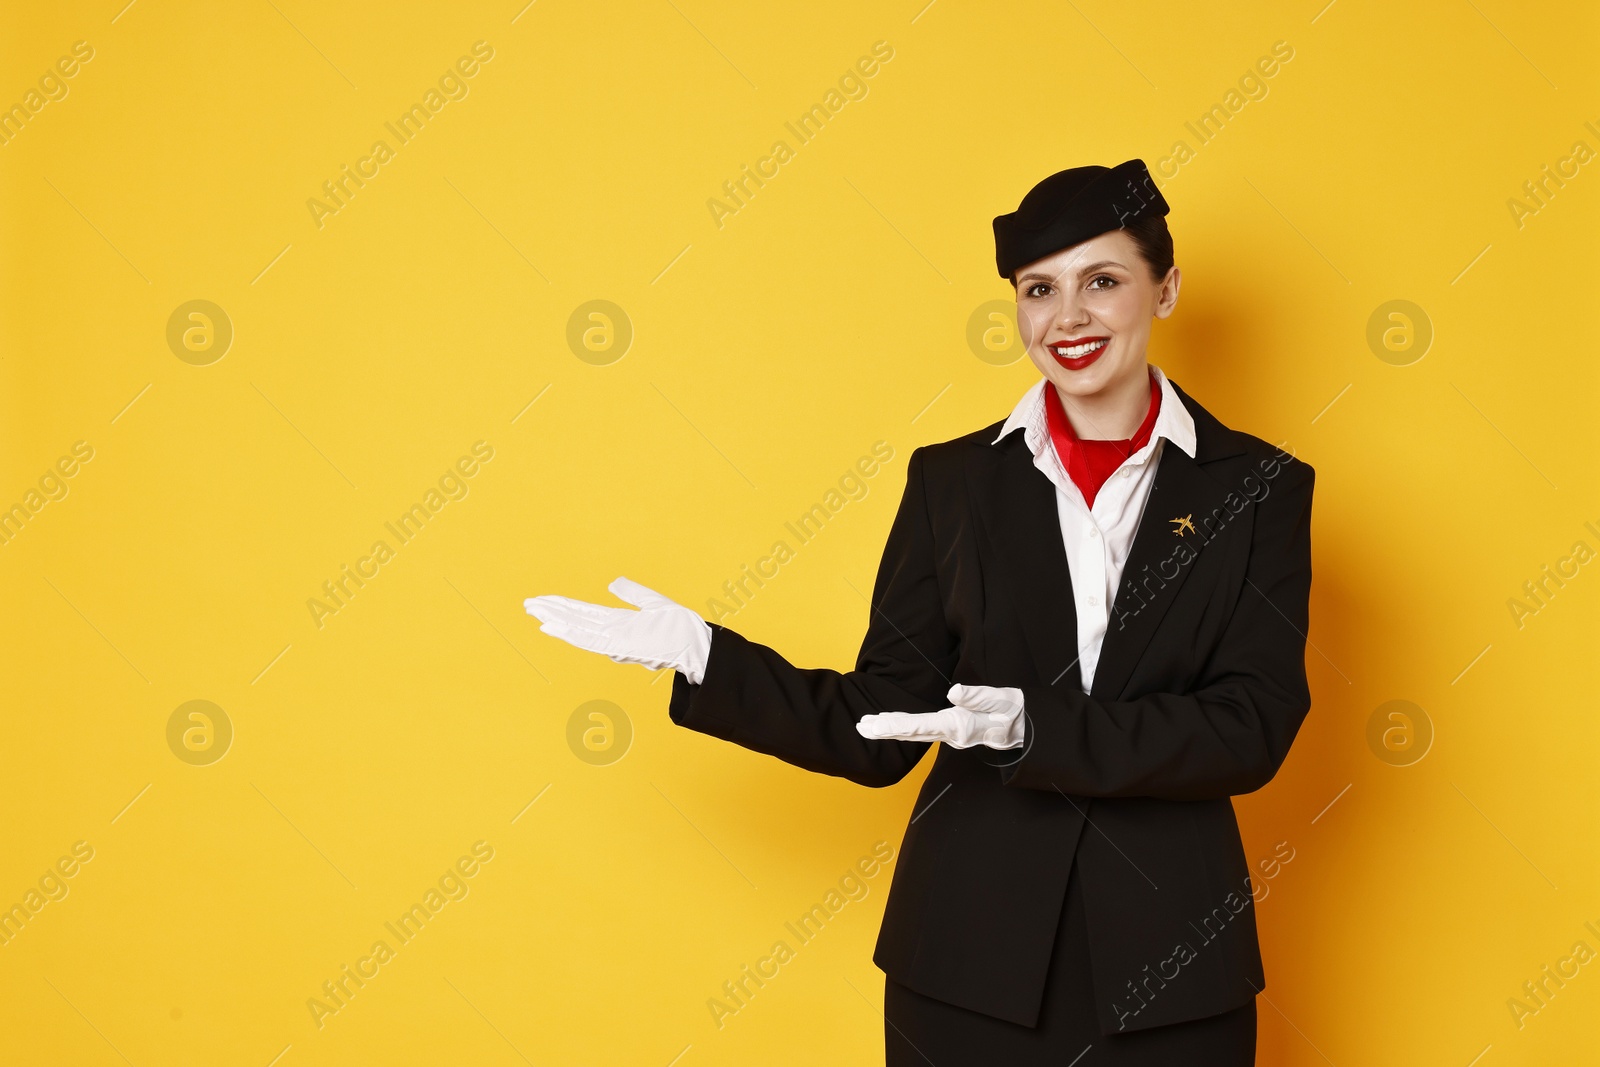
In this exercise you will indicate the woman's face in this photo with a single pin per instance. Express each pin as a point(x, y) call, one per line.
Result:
point(1085, 313)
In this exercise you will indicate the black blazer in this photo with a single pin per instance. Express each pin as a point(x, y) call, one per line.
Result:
point(1199, 691)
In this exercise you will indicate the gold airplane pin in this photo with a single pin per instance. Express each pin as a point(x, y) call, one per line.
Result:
point(1180, 526)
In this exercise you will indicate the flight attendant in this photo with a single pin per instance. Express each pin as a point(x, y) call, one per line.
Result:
point(1096, 608)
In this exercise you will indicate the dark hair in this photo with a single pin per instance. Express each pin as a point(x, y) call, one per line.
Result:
point(1149, 232)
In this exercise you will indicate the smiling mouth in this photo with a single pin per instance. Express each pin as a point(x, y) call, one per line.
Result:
point(1078, 354)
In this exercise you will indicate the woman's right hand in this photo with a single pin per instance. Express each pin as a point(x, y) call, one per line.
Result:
point(661, 634)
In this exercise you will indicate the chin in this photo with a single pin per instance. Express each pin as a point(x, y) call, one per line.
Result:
point(1086, 382)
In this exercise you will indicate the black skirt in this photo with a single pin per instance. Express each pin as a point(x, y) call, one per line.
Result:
point(920, 1031)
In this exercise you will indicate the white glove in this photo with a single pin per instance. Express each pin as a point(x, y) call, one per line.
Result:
point(982, 715)
point(662, 633)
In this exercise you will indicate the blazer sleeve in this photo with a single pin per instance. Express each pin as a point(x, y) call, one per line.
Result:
point(1230, 734)
point(752, 696)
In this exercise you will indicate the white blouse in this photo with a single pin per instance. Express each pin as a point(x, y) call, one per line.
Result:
point(1098, 539)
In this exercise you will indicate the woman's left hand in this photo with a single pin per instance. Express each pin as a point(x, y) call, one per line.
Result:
point(981, 715)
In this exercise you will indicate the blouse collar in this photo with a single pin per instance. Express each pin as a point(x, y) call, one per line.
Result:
point(1173, 423)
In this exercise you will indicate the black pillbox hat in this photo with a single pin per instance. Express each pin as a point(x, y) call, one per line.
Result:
point(1072, 206)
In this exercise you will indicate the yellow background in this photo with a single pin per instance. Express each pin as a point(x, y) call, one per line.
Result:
point(768, 355)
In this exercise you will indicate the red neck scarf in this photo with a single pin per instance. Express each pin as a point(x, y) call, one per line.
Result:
point(1089, 463)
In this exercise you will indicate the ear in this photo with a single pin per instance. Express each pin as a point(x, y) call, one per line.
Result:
point(1167, 296)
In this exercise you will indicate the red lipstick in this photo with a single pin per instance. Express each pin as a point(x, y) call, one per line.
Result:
point(1058, 350)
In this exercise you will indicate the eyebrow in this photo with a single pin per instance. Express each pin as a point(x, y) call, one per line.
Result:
point(1091, 268)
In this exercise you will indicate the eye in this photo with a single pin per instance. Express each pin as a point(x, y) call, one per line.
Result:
point(1110, 282)
point(1033, 290)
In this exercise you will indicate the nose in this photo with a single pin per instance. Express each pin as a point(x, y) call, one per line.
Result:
point(1071, 314)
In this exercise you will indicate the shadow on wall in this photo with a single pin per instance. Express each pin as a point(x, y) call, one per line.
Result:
point(1224, 350)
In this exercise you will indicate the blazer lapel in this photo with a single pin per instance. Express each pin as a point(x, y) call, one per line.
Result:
point(1017, 509)
point(1164, 552)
